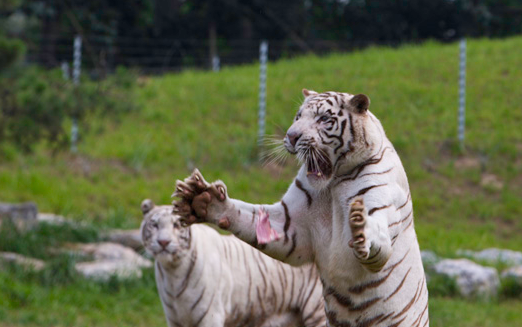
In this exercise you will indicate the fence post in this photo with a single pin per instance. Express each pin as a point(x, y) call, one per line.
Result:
point(263, 56)
point(462, 92)
point(65, 70)
point(215, 63)
point(77, 57)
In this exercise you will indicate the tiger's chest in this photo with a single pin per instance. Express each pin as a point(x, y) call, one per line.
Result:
point(333, 256)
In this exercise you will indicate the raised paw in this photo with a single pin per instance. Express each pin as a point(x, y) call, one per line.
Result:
point(357, 221)
point(197, 197)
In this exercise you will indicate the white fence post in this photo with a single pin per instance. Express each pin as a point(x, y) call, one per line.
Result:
point(462, 92)
point(215, 63)
point(65, 71)
point(263, 56)
point(76, 81)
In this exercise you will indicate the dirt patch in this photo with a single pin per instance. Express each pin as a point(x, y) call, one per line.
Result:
point(465, 163)
point(491, 182)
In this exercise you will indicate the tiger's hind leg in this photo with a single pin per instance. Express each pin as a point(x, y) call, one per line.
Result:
point(369, 246)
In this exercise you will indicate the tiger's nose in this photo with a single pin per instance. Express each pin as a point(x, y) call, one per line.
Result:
point(293, 137)
point(164, 243)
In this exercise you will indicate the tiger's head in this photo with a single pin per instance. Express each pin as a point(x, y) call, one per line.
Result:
point(331, 133)
point(162, 233)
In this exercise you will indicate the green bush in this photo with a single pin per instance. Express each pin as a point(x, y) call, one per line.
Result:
point(37, 104)
point(511, 288)
point(441, 285)
point(10, 51)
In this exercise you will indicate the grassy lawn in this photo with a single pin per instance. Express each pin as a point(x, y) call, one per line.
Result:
point(209, 120)
point(29, 303)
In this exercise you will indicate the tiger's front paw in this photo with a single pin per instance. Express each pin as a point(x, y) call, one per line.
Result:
point(199, 201)
point(357, 221)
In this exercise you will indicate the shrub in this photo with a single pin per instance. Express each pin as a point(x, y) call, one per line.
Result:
point(10, 51)
point(36, 104)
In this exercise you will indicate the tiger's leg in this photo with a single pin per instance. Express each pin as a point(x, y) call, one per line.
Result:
point(201, 201)
point(370, 241)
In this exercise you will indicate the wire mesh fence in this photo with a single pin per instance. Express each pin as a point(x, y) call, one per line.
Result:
point(152, 56)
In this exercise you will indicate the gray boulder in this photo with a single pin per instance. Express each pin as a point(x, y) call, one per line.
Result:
point(429, 258)
point(26, 262)
point(130, 238)
point(51, 218)
point(110, 259)
point(494, 256)
point(472, 280)
point(23, 215)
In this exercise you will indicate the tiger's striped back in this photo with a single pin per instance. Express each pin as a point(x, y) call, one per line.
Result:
point(216, 280)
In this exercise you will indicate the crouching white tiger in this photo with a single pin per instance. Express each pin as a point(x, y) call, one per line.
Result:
point(207, 279)
point(349, 210)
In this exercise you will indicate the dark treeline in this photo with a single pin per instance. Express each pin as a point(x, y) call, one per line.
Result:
point(168, 34)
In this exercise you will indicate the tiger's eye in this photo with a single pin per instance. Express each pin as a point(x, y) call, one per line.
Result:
point(323, 119)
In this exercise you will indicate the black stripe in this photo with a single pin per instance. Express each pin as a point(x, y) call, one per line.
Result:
point(371, 211)
point(402, 220)
point(354, 173)
point(364, 191)
point(287, 221)
point(292, 248)
point(185, 282)
point(197, 301)
point(340, 136)
point(206, 311)
point(307, 194)
point(405, 203)
point(399, 286)
point(352, 130)
point(412, 301)
point(358, 289)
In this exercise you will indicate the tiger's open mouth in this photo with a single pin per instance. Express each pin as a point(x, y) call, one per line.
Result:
point(318, 166)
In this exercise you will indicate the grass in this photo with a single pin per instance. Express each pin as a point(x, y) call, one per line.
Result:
point(209, 120)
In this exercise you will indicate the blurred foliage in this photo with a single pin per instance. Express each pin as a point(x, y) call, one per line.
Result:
point(121, 27)
point(40, 241)
point(36, 104)
point(10, 51)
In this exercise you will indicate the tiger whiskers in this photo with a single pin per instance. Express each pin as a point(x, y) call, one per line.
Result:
point(275, 153)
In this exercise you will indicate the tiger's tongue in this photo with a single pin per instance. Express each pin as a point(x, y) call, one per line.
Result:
point(313, 171)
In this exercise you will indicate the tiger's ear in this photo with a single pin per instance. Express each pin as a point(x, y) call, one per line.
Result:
point(146, 206)
point(360, 103)
point(308, 93)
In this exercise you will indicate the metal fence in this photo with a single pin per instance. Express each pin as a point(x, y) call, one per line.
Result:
point(154, 56)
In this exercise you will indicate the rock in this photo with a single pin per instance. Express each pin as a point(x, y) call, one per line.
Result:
point(23, 215)
point(130, 238)
point(513, 273)
point(112, 251)
point(51, 218)
point(103, 270)
point(110, 259)
point(467, 163)
point(429, 258)
point(472, 280)
point(30, 263)
point(494, 256)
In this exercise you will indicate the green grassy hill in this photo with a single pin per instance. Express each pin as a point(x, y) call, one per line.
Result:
point(209, 120)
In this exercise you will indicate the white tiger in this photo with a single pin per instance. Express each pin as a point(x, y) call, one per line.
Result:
point(207, 279)
point(349, 210)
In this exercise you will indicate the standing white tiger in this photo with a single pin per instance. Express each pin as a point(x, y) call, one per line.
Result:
point(207, 279)
point(349, 210)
